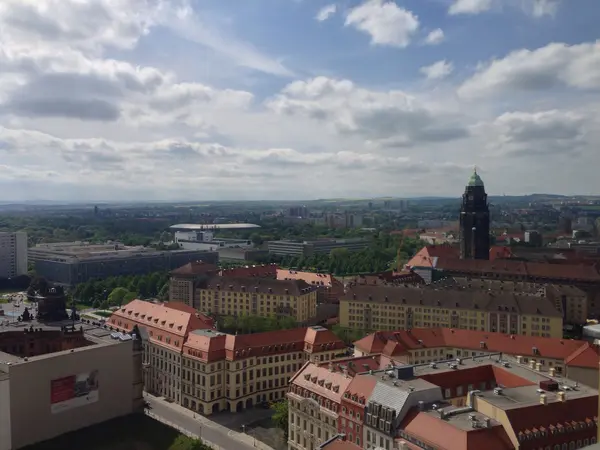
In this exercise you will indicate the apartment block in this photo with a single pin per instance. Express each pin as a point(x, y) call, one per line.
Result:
point(13, 254)
point(578, 360)
point(572, 302)
point(404, 307)
point(189, 362)
point(227, 295)
point(329, 288)
point(493, 403)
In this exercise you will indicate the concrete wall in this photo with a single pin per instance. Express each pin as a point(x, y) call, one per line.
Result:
point(583, 375)
point(4, 412)
point(31, 417)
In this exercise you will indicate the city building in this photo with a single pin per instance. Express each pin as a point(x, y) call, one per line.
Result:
point(13, 254)
point(329, 288)
point(207, 371)
point(76, 262)
point(185, 279)
point(435, 262)
point(314, 404)
point(265, 297)
point(577, 360)
point(571, 301)
point(164, 329)
point(372, 308)
point(58, 379)
point(205, 240)
point(492, 402)
point(309, 248)
point(474, 221)
point(231, 254)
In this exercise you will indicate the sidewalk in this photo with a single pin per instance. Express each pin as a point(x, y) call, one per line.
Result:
point(241, 437)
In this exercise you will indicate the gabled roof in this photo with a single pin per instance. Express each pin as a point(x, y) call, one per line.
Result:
point(260, 285)
point(573, 352)
point(194, 268)
point(512, 302)
point(315, 279)
point(321, 381)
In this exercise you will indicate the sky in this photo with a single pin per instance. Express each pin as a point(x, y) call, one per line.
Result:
point(108, 100)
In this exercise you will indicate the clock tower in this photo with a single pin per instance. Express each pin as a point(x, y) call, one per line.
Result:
point(474, 221)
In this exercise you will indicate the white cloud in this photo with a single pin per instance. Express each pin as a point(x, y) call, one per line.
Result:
point(386, 22)
point(90, 109)
point(437, 70)
point(435, 37)
point(555, 65)
point(390, 119)
point(326, 12)
point(552, 132)
point(545, 8)
point(469, 7)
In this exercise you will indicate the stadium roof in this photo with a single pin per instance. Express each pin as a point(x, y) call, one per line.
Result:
point(212, 226)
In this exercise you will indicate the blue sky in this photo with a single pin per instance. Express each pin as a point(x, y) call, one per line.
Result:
point(295, 99)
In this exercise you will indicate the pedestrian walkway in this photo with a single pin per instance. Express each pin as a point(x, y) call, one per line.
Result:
point(241, 437)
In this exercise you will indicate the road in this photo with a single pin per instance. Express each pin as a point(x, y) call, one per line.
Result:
point(214, 434)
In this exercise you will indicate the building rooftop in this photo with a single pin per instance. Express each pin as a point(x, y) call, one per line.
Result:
point(394, 343)
point(212, 226)
point(446, 258)
point(510, 302)
point(93, 335)
point(259, 285)
point(194, 268)
point(316, 279)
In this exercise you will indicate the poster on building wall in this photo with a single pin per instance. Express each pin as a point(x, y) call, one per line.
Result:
point(73, 391)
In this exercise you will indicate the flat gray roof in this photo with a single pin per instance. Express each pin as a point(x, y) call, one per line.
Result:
point(212, 226)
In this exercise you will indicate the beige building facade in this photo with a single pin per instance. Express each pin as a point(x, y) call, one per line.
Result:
point(192, 364)
point(48, 395)
point(373, 308)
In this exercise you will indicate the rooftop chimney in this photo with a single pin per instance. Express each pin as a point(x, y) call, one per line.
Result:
point(561, 396)
point(543, 399)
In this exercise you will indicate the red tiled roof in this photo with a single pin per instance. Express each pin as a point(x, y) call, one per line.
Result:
point(362, 386)
point(194, 268)
point(534, 416)
point(586, 356)
point(321, 381)
point(355, 364)
point(566, 349)
point(440, 434)
point(270, 342)
point(262, 271)
point(162, 320)
point(341, 445)
point(519, 268)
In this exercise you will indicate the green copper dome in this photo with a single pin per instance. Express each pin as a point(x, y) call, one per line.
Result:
point(475, 179)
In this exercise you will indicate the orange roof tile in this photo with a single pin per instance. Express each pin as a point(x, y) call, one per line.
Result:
point(440, 434)
point(162, 320)
point(315, 279)
point(554, 348)
point(194, 268)
point(341, 445)
point(321, 381)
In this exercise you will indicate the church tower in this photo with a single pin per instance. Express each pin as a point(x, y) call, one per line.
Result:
point(474, 221)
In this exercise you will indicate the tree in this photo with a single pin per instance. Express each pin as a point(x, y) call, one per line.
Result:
point(183, 442)
point(115, 298)
point(280, 416)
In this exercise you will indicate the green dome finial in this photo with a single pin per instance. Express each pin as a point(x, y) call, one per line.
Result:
point(475, 179)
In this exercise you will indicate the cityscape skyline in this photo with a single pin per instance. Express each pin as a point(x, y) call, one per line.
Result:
point(289, 100)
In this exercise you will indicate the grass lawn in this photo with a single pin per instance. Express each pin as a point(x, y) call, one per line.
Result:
point(134, 432)
point(103, 313)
